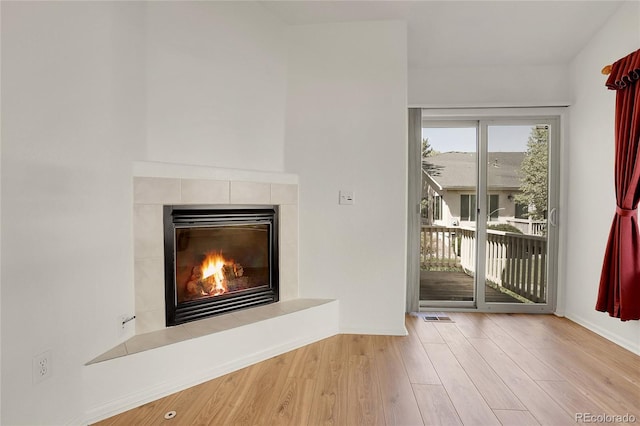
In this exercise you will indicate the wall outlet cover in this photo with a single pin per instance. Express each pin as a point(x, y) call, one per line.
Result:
point(42, 367)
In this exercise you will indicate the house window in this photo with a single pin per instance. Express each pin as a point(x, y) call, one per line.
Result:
point(494, 210)
point(437, 207)
point(467, 207)
point(522, 211)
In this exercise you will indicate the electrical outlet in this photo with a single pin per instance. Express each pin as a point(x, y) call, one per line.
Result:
point(42, 367)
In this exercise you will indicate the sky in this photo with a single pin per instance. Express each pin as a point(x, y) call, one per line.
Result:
point(501, 138)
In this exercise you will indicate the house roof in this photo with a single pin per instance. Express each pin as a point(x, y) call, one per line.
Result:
point(457, 170)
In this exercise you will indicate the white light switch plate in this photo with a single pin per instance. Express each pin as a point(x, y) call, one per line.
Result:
point(346, 197)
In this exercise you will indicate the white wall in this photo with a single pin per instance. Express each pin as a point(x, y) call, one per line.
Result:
point(347, 129)
point(591, 202)
point(73, 121)
point(216, 85)
point(89, 87)
point(489, 86)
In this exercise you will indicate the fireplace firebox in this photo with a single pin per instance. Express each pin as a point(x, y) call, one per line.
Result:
point(219, 259)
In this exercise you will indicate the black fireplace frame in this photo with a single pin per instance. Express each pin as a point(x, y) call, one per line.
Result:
point(181, 216)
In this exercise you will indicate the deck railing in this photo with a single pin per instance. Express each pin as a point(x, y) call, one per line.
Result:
point(515, 262)
point(529, 226)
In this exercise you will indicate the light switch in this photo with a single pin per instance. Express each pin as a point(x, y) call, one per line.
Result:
point(346, 197)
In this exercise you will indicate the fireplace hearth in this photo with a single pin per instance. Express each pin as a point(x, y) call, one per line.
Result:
point(219, 258)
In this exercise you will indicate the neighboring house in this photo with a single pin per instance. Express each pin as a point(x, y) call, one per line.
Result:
point(449, 188)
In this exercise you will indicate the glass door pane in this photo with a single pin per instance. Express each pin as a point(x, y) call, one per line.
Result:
point(448, 214)
point(517, 175)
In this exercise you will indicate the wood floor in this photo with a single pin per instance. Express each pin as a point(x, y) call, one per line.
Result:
point(456, 286)
point(483, 369)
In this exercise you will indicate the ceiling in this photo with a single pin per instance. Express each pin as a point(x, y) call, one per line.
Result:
point(470, 33)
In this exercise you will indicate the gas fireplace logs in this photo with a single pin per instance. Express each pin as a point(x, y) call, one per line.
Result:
point(228, 277)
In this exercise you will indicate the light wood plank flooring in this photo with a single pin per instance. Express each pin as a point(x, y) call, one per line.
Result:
point(483, 369)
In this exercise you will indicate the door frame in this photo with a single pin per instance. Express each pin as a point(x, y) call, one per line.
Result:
point(556, 116)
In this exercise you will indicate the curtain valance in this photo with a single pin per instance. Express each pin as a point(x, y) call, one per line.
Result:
point(624, 71)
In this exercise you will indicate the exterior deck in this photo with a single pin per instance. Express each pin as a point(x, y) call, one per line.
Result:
point(456, 286)
point(515, 264)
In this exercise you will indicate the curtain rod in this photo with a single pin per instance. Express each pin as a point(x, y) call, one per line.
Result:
point(606, 70)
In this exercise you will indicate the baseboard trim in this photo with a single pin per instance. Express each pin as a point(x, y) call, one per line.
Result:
point(625, 343)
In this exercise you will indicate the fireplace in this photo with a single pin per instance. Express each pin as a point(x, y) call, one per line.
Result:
point(219, 258)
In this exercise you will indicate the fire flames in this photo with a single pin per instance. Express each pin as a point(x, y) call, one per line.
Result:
point(215, 276)
point(212, 267)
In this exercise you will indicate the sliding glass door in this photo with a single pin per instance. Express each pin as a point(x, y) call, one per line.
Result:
point(488, 214)
point(448, 213)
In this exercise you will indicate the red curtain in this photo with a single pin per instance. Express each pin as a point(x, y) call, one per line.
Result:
point(619, 292)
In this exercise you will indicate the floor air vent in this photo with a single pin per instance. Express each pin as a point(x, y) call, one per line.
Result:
point(436, 317)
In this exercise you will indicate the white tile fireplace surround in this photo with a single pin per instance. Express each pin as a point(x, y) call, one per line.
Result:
point(152, 193)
